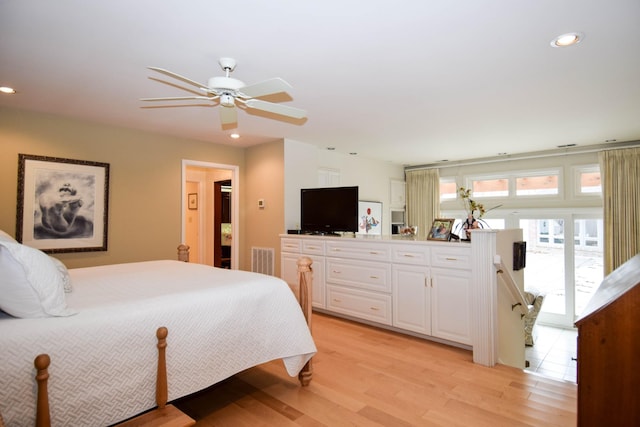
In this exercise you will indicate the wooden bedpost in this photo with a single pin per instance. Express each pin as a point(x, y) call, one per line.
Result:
point(162, 389)
point(183, 253)
point(43, 418)
point(305, 281)
point(163, 415)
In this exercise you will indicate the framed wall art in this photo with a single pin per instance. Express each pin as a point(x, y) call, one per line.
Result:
point(441, 229)
point(192, 201)
point(62, 204)
point(369, 218)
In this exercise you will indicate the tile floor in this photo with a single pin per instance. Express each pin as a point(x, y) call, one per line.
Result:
point(553, 352)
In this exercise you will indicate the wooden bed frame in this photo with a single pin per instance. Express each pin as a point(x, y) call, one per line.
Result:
point(169, 415)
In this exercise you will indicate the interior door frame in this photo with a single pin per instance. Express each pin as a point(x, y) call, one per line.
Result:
point(235, 203)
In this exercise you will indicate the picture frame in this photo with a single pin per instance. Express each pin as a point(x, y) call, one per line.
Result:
point(63, 204)
point(369, 218)
point(192, 201)
point(441, 229)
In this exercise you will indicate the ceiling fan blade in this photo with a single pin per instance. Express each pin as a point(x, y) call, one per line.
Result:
point(228, 115)
point(180, 98)
point(283, 110)
point(179, 77)
point(267, 87)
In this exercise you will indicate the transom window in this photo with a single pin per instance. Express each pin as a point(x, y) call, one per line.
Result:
point(587, 180)
point(448, 189)
point(537, 185)
point(490, 187)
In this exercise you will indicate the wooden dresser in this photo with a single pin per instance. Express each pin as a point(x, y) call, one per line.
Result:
point(609, 351)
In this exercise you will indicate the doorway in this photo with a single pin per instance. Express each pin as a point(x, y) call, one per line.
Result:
point(222, 223)
point(199, 229)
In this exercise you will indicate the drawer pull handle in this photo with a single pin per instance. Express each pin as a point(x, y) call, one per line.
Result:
point(312, 247)
point(373, 253)
point(336, 249)
point(451, 259)
point(337, 272)
point(408, 255)
point(374, 308)
point(374, 277)
point(337, 300)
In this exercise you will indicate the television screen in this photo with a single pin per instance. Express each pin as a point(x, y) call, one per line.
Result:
point(329, 210)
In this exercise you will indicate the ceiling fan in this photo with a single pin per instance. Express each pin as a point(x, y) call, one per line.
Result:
point(230, 93)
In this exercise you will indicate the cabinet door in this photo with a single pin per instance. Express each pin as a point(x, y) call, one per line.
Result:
point(318, 286)
point(289, 273)
point(289, 268)
point(451, 305)
point(411, 298)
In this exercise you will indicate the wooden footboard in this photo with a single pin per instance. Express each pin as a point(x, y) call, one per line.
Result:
point(305, 284)
point(163, 415)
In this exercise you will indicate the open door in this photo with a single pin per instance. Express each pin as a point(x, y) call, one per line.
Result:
point(222, 224)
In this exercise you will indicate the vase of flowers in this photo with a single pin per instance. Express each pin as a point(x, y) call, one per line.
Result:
point(475, 212)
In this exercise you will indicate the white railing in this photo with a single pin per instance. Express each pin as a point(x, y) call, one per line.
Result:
point(518, 298)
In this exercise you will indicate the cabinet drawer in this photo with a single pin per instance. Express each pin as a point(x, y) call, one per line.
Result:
point(313, 247)
point(365, 251)
point(374, 276)
point(410, 254)
point(290, 245)
point(459, 258)
point(361, 304)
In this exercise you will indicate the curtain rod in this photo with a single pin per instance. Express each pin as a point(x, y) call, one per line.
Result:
point(525, 156)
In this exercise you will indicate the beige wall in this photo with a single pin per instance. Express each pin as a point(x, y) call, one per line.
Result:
point(145, 180)
point(264, 177)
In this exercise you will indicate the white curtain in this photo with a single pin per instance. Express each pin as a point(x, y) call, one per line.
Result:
point(423, 199)
point(619, 171)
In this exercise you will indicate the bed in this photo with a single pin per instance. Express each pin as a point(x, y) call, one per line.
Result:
point(102, 340)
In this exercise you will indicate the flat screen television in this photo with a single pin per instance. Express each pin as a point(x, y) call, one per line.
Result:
point(329, 210)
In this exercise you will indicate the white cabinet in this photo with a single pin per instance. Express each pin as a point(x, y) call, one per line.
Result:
point(422, 287)
point(398, 199)
point(451, 304)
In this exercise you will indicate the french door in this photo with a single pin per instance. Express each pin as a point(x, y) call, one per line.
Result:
point(564, 261)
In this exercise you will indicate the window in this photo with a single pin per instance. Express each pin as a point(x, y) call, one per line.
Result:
point(448, 189)
point(490, 187)
point(587, 179)
point(537, 185)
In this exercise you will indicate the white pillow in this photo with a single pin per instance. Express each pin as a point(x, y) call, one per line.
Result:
point(64, 274)
point(30, 284)
point(5, 237)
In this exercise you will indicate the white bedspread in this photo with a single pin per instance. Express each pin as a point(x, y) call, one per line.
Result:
point(103, 360)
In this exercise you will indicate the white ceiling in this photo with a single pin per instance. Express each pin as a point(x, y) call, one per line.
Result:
point(407, 81)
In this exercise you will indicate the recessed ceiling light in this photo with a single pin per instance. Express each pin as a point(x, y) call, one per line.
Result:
point(331, 148)
point(353, 153)
point(235, 135)
point(5, 89)
point(568, 39)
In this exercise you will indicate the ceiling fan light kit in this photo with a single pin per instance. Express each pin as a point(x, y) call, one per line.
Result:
point(229, 93)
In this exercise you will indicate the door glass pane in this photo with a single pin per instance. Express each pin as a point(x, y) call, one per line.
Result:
point(545, 261)
point(588, 251)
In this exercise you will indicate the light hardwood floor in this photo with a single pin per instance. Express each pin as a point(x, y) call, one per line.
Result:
point(365, 376)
